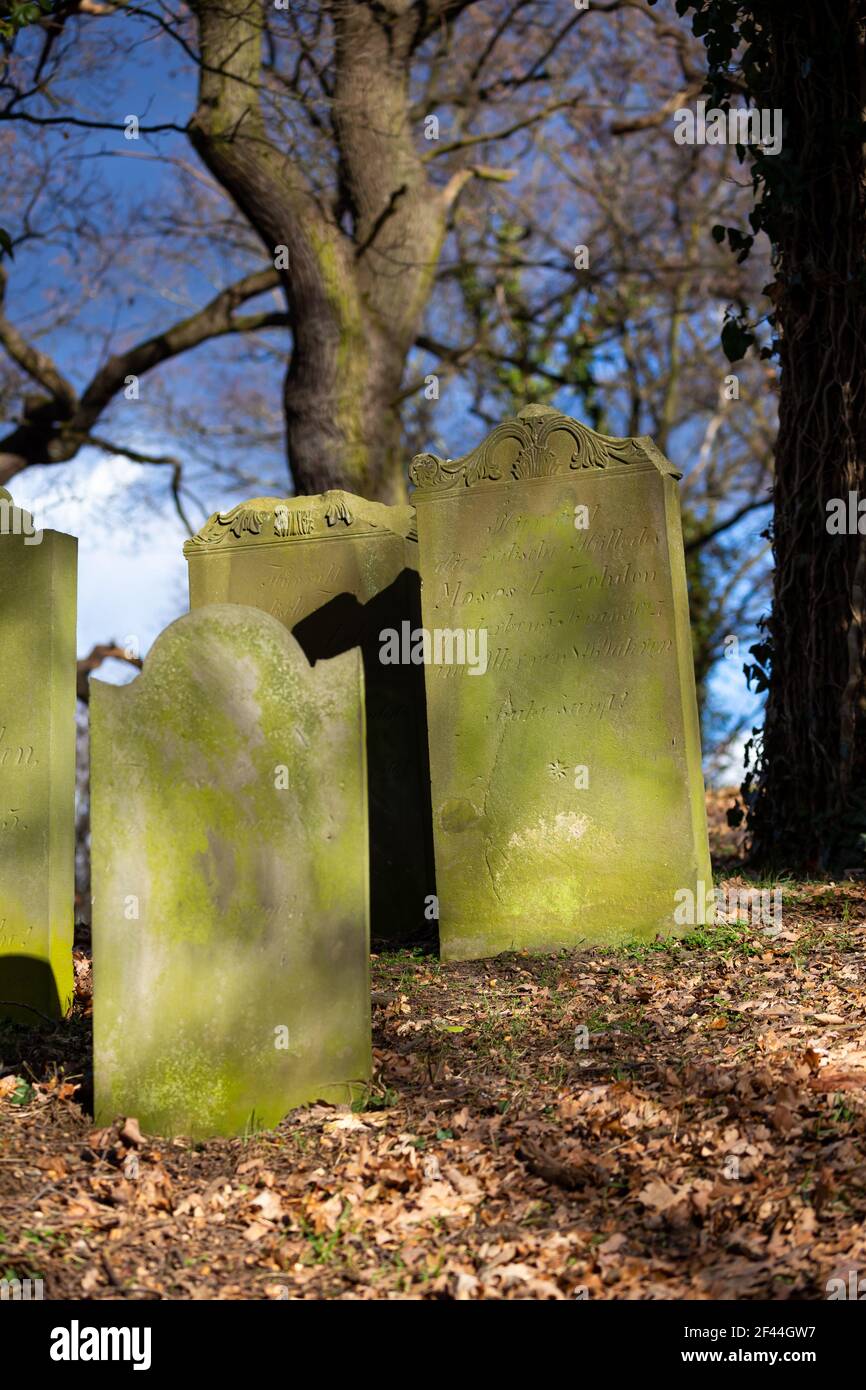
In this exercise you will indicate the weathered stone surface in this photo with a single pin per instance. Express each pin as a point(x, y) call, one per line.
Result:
point(567, 788)
point(37, 765)
point(338, 570)
point(230, 891)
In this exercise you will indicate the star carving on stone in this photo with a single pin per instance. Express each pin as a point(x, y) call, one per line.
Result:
point(557, 769)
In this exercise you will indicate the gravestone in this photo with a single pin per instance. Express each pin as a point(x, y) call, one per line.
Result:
point(338, 571)
point(567, 790)
point(230, 891)
point(37, 766)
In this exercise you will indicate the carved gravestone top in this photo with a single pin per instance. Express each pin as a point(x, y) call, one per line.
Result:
point(566, 779)
point(328, 515)
point(541, 442)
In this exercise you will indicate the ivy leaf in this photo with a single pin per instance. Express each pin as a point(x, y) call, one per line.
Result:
point(23, 1093)
point(6, 244)
point(736, 340)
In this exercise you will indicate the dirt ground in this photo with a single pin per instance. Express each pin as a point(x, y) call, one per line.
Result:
point(661, 1122)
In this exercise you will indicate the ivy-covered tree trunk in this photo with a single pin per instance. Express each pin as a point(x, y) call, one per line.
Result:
point(809, 805)
point(804, 59)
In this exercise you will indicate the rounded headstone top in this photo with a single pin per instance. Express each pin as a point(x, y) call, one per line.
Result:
point(5, 496)
point(532, 412)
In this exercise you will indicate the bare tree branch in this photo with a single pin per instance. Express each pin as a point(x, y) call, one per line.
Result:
point(102, 651)
point(53, 428)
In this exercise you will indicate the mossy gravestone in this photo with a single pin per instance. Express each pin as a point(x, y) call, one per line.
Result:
point(37, 765)
point(338, 571)
point(567, 790)
point(230, 894)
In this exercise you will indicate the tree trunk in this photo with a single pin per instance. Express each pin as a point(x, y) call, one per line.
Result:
point(355, 297)
point(808, 799)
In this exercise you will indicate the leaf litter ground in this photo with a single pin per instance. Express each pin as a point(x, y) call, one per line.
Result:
point(665, 1122)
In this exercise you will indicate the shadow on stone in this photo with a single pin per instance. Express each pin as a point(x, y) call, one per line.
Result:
point(402, 875)
point(28, 990)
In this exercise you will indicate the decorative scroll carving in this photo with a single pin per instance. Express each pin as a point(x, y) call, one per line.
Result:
point(293, 521)
point(263, 520)
point(337, 509)
point(243, 519)
point(523, 448)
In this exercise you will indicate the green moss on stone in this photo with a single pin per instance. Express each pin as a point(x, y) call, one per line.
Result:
point(224, 907)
